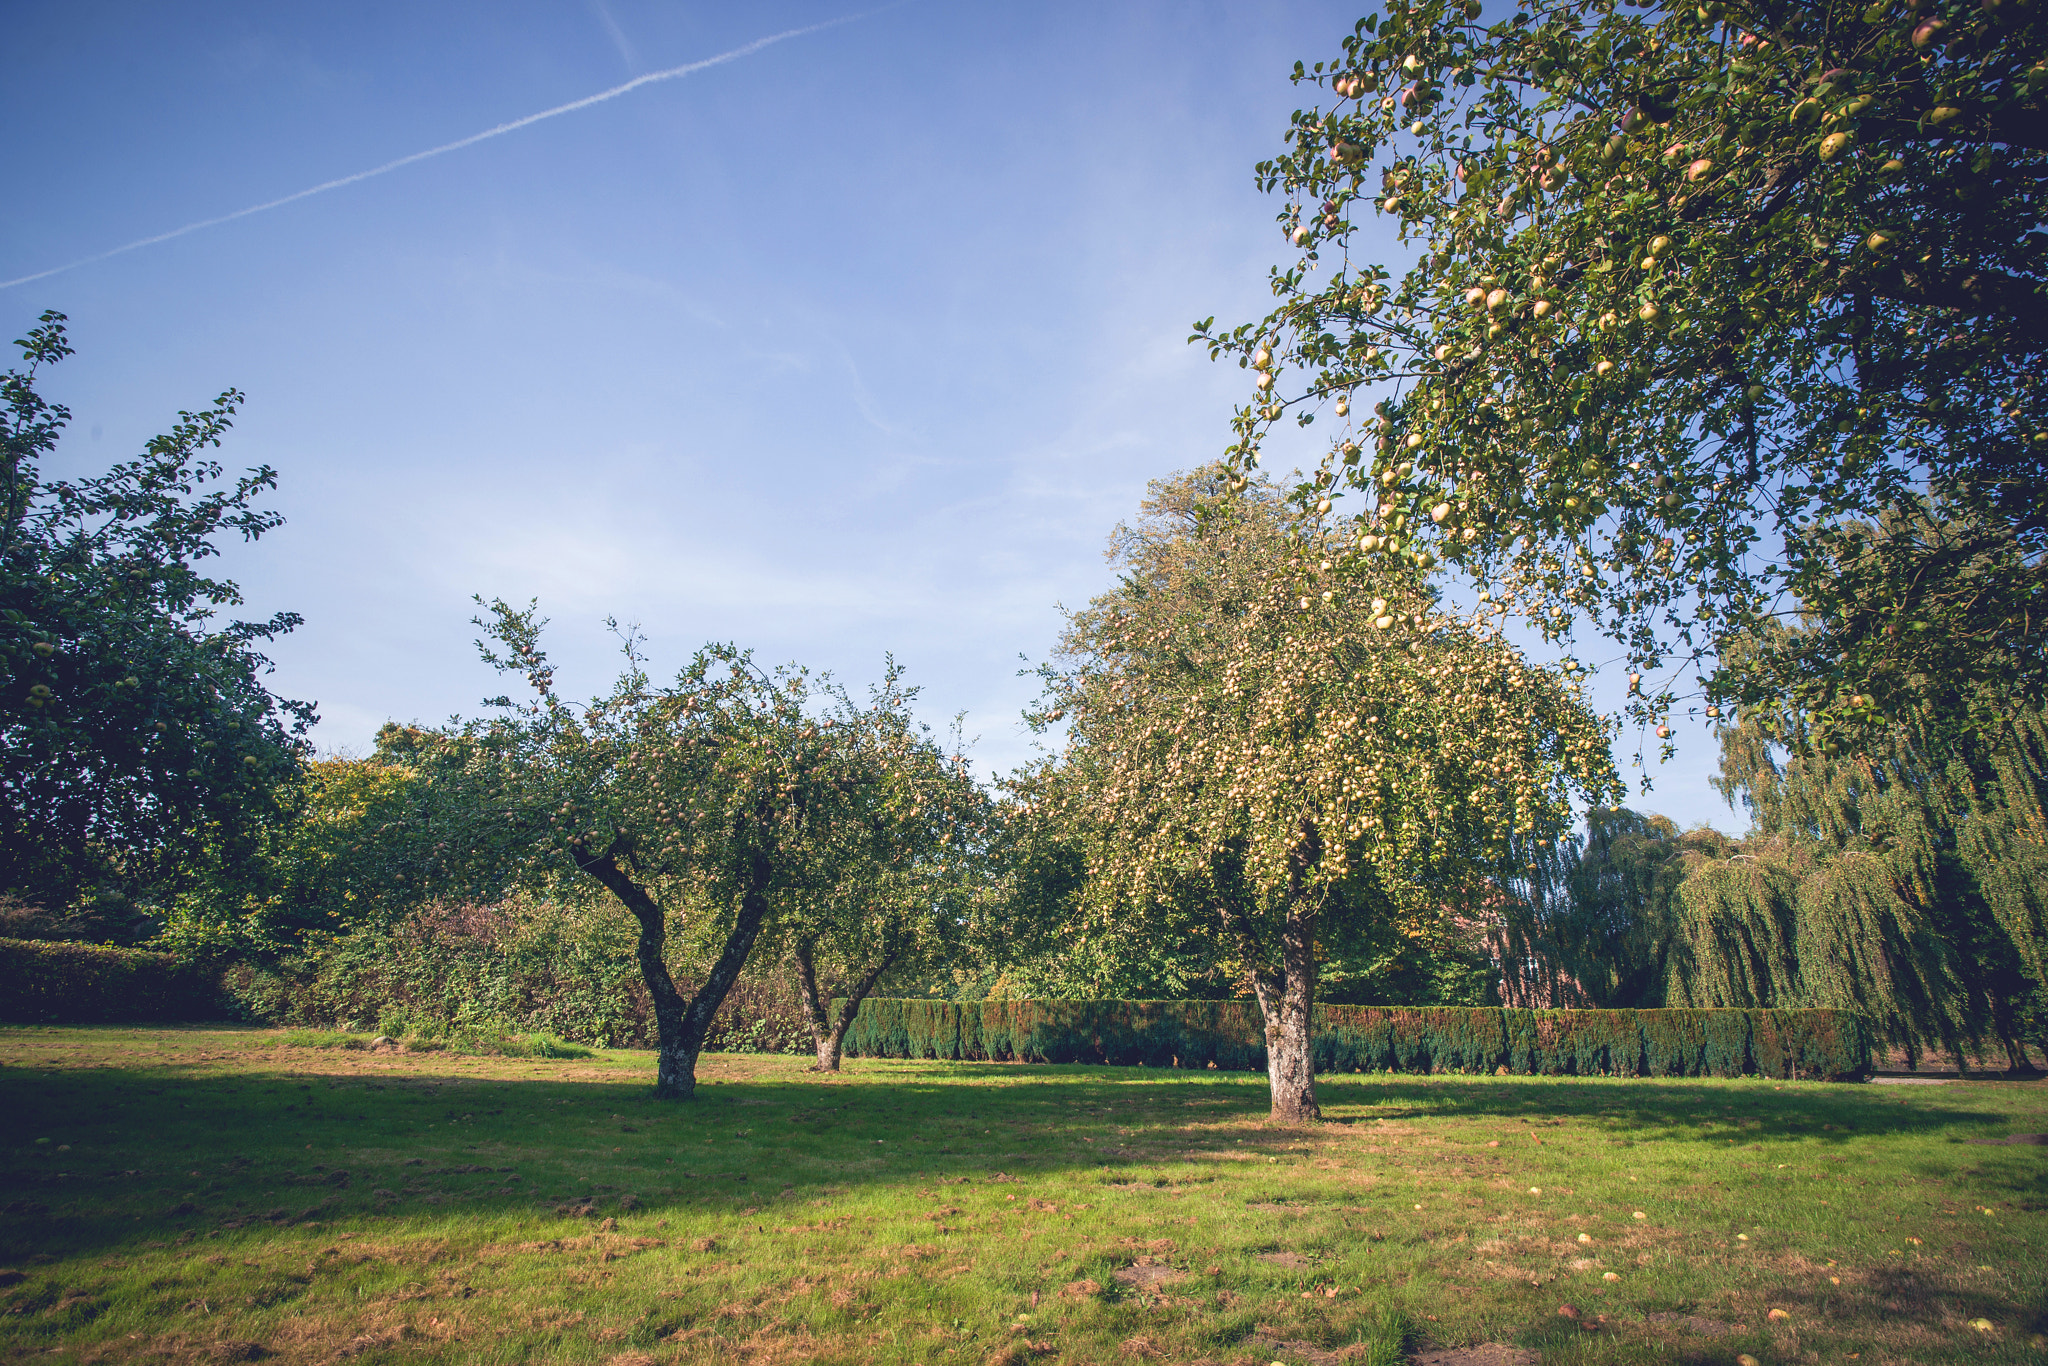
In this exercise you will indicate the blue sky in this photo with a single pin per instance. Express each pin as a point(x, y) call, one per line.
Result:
point(860, 343)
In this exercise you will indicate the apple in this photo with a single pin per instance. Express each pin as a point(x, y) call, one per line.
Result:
point(1542, 308)
point(1265, 380)
point(1262, 359)
point(1834, 144)
point(1301, 236)
point(1495, 299)
point(1343, 407)
point(1439, 512)
point(1943, 113)
point(1700, 169)
point(1928, 31)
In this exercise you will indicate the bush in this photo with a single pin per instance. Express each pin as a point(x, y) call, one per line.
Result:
point(1826, 1044)
point(478, 976)
point(43, 982)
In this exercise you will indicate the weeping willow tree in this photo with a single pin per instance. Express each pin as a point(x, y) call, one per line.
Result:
point(1881, 880)
point(1592, 922)
point(1866, 886)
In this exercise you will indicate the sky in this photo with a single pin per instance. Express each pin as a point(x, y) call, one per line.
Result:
point(859, 342)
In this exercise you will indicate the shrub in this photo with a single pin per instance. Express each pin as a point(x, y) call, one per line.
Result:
point(1827, 1044)
point(45, 982)
point(520, 967)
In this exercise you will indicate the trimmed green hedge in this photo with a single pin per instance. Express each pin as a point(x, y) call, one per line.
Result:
point(1827, 1044)
point(61, 983)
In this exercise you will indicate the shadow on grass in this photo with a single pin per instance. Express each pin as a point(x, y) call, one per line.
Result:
point(110, 1155)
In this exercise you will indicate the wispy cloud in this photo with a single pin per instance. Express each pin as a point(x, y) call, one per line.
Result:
point(672, 73)
point(617, 34)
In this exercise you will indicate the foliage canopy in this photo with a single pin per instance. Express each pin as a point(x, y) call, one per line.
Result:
point(1256, 743)
point(134, 725)
point(1720, 315)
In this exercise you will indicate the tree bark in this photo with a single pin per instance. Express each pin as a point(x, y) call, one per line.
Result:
point(828, 1035)
point(1287, 1007)
point(681, 1026)
point(1290, 1059)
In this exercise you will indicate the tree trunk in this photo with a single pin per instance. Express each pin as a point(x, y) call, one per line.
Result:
point(1290, 1060)
point(829, 1035)
point(1286, 1005)
point(681, 1026)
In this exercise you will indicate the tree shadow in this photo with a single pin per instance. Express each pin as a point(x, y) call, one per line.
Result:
point(125, 1156)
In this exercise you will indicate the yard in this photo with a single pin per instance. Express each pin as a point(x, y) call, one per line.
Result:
point(217, 1194)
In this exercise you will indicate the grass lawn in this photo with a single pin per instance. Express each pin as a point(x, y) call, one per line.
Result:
point(203, 1194)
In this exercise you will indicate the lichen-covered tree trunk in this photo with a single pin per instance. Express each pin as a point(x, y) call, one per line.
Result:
point(1287, 1006)
point(1290, 1058)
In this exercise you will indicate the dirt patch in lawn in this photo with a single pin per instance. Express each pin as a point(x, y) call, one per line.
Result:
point(1148, 1273)
point(1485, 1354)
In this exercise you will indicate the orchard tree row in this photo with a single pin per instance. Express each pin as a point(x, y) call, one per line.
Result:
point(1715, 339)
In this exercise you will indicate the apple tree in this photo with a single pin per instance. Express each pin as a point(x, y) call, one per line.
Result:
point(895, 882)
point(135, 728)
point(727, 803)
point(1258, 739)
point(1717, 315)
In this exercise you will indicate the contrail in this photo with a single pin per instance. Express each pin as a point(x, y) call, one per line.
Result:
point(674, 72)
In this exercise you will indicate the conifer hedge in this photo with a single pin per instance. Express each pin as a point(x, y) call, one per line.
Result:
point(1830, 1045)
point(48, 982)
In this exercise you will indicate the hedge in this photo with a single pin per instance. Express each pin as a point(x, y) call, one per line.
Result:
point(1831, 1045)
point(63, 983)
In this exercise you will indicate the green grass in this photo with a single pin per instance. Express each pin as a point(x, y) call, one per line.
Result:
point(492, 1044)
point(202, 1194)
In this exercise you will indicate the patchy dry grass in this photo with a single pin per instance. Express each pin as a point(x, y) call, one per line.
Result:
point(214, 1195)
